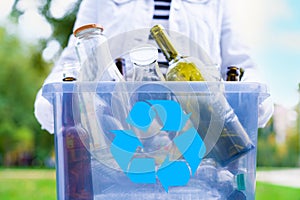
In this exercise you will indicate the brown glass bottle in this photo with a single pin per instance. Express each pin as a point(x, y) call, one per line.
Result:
point(233, 74)
point(77, 161)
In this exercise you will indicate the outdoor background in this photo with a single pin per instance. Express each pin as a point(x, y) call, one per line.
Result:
point(32, 35)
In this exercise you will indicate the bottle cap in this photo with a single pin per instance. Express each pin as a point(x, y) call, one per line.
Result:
point(87, 26)
point(144, 54)
point(240, 179)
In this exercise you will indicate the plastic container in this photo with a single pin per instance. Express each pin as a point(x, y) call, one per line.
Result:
point(143, 142)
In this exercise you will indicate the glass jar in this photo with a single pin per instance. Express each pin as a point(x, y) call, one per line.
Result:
point(94, 55)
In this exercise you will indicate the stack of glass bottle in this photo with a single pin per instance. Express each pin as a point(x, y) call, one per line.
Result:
point(220, 171)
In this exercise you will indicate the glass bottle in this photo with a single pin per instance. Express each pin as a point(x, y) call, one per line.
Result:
point(233, 141)
point(231, 186)
point(156, 143)
point(77, 161)
point(242, 71)
point(94, 55)
point(233, 74)
point(144, 59)
point(70, 71)
point(120, 63)
point(180, 68)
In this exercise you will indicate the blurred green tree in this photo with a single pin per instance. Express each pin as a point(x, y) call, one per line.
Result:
point(20, 80)
point(272, 154)
point(22, 73)
point(62, 27)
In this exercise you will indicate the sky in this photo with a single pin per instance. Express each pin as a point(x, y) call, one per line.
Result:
point(271, 28)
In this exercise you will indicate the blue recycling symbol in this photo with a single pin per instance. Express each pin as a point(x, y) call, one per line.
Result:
point(144, 170)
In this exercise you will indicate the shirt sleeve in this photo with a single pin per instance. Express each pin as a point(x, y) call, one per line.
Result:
point(43, 109)
point(235, 52)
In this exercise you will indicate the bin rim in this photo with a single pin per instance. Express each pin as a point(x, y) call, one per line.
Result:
point(260, 89)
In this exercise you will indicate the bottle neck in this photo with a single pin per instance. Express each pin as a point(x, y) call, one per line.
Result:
point(233, 74)
point(67, 110)
point(69, 104)
point(164, 43)
point(146, 72)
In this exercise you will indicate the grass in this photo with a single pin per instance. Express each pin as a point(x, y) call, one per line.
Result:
point(274, 192)
point(36, 184)
point(21, 184)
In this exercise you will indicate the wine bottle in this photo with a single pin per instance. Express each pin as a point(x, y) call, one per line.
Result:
point(180, 67)
point(77, 160)
point(233, 141)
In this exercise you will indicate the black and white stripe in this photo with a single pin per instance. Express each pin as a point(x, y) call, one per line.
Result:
point(161, 12)
point(161, 9)
point(161, 16)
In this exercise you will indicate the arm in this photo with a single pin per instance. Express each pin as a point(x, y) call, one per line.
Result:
point(235, 52)
point(43, 109)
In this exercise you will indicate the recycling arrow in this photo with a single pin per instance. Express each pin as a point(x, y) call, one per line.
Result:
point(191, 147)
point(173, 173)
point(169, 112)
point(143, 170)
point(124, 146)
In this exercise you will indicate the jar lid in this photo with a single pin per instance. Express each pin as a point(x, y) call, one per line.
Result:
point(87, 26)
point(144, 54)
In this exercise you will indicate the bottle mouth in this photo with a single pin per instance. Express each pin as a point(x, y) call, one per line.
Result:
point(156, 28)
point(144, 54)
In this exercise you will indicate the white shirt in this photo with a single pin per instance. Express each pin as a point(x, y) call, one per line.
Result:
point(205, 23)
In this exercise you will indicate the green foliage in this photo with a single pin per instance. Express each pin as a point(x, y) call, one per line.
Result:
point(22, 73)
point(270, 153)
point(20, 80)
point(62, 28)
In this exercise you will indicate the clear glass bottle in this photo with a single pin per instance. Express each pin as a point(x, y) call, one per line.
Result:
point(180, 68)
point(156, 143)
point(70, 71)
point(94, 55)
point(233, 141)
point(231, 186)
point(144, 59)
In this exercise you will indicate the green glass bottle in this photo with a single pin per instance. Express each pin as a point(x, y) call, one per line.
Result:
point(233, 142)
point(180, 67)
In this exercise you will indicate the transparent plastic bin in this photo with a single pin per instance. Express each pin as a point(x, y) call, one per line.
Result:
point(115, 144)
